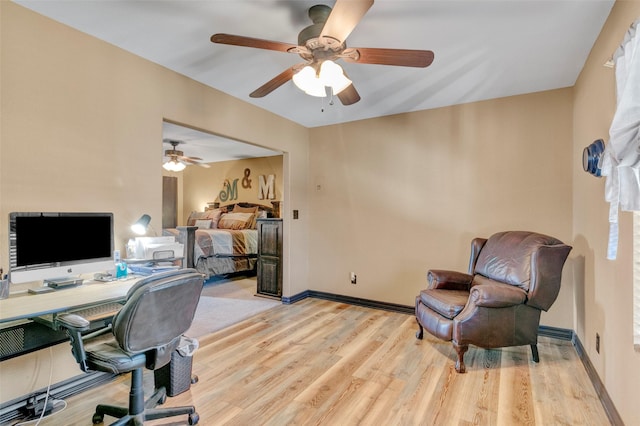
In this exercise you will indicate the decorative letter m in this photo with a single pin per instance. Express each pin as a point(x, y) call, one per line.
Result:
point(266, 187)
point(229, 191)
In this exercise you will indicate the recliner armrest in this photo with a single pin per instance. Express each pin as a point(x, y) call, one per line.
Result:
point(449, 280)
point(497, 295)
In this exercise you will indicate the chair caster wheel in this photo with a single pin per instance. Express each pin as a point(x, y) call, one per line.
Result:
point(162, 400)
point(194, 379)
point(194, 419)
point(97, 418)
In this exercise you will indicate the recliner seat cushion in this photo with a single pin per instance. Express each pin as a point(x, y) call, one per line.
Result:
point(447, 303)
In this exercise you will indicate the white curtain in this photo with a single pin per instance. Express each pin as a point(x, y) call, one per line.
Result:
point(620, 162)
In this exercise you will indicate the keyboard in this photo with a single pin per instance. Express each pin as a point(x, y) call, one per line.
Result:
point(99, 315)
point(98, 312)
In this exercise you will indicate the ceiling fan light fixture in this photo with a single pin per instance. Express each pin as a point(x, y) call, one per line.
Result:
point(332, 75)
point(307, 81)
point(173, 166)
point(314, 83)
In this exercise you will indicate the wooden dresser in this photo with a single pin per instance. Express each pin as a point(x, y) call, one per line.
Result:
point(270, 257)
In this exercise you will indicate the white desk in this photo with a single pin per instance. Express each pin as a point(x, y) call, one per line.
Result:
point(27, 321)
point(26, 305)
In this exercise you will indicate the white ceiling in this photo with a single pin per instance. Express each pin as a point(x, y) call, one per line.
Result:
point(483, 49)
point(211, 148)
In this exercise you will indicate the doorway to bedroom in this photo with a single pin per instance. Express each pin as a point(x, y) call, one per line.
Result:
point(220, 173)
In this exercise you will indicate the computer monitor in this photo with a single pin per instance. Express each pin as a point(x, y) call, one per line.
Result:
point(45, 245)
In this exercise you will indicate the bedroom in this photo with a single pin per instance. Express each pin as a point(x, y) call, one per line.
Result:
point(228, 173)
point(80, 125)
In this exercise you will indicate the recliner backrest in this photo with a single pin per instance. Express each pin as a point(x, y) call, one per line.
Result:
point(158, 310)
point(507, 256)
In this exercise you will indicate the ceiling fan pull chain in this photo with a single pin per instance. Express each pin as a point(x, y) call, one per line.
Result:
point(330, 99)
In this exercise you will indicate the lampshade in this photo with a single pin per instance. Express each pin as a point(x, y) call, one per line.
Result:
point(174, 166)
point(313, 83)
point(309, 83)
point(333, 76)
point(140, 227)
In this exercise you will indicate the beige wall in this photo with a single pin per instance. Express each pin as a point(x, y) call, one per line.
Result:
point(395, 196)
point(388, 198)
point(202, 185)
point(604, 292)
point(80, 129)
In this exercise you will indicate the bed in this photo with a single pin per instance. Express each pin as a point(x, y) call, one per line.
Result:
point(222, 240)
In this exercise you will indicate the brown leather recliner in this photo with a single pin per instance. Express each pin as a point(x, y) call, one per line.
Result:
point(512, 277)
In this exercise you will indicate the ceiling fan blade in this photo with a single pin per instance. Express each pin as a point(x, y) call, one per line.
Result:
point(349, 96)
point(184, 157)
point(257, 43)
point(344, 17)
point(191, 160)
point(399, 57)
point(274, 83)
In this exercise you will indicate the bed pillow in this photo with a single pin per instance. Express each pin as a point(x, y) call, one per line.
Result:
point(203, 223)
point(214, 216)
point(236, 220)
point(253, 209)
point(240, 209)
point(191, 221)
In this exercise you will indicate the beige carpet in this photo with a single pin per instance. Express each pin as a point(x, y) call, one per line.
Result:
point(226, 302)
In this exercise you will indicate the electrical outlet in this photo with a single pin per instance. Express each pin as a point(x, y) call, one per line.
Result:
point(353, 278)
point(597, 343)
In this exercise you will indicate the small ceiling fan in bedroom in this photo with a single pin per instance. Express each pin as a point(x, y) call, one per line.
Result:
point(320, 45)
point(176, 161)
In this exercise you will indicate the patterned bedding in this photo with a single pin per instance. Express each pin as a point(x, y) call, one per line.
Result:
point(223, 251)
point(226, 238)
point(225, 242)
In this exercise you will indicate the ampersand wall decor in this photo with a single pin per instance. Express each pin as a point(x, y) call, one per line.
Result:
point(246, 182)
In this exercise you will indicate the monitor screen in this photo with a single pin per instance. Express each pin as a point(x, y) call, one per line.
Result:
point(53, 245)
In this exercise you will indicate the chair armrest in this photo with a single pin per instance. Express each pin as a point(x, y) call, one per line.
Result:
point(449, 280)
point(497, 295)
point(75, 325)
point(73, 322)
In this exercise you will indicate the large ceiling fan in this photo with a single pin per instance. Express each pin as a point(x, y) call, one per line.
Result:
point(176, 161)
point(320, 45)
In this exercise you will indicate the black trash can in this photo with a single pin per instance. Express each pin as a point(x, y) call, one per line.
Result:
point(176, 376)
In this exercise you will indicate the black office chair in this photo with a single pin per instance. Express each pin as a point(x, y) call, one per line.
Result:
point(158, 310)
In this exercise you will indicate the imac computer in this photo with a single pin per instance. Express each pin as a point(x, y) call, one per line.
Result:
point(45, 246)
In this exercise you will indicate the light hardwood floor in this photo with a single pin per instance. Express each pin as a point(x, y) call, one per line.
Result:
point(325, 363)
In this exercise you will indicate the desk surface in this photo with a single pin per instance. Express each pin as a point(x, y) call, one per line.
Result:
point(26, 305)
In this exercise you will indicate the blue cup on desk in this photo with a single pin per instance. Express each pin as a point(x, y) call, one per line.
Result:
point(121, 270)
